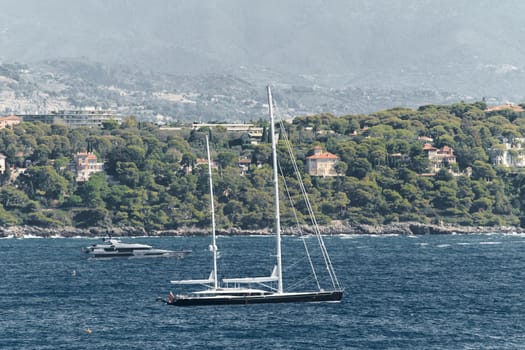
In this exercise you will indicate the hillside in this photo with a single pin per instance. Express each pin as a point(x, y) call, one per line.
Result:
point(385, 173)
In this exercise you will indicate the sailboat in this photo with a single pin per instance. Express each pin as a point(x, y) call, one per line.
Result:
point(240, 290)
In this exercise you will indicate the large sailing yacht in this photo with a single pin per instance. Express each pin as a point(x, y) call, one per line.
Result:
point(256, 290)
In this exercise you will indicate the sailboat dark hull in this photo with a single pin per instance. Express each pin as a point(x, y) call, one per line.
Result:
point(336, 295)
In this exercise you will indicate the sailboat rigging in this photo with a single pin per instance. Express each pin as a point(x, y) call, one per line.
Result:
point(217, 294)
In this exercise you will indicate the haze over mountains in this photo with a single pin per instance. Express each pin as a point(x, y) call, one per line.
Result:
point(347, 56)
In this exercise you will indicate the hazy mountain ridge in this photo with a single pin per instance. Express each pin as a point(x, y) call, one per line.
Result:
point(470, 47)
point(55, 85)
point(210, 60)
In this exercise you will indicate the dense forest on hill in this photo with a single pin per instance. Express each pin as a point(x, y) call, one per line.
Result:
point(151, 178)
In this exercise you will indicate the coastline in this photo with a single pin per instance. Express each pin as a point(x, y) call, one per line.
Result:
point(405, 228)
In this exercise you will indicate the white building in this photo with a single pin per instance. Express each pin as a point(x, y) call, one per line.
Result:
point(509, 154)
point(2, 163)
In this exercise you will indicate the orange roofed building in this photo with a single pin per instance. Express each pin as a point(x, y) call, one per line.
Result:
point(321, 163)
point(439, 157)
point(86, 164)
point(9, 121)
point(508, 106)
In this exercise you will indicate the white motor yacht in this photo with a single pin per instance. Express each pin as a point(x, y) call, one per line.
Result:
point(114, 248)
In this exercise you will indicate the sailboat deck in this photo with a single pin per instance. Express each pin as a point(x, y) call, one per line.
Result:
point(232, 291)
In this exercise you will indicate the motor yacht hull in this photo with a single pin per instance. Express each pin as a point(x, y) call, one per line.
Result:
point(140, 254)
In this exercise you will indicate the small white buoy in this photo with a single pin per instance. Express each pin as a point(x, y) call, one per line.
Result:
point(74, 273)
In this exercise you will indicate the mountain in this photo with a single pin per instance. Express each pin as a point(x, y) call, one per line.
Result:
point(163, 97)
point(467, 49)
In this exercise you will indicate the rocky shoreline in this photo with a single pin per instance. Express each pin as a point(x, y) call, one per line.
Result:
point(406, 228)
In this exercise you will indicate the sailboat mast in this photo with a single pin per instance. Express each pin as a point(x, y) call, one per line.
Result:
point(276, 195)
point(212, 208)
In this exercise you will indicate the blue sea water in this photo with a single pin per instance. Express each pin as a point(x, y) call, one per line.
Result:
point(401, 292)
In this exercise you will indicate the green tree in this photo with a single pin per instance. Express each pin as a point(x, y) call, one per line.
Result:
point(226, 159)
point(483, 171)
point(91, 217)
point(93, 191)
point(110, 124)
point(359, 168)
point(43, 183)
point(128, 174)
point(7, 218)
point(13, 198)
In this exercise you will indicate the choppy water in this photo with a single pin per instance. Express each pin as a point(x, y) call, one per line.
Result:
point(427, 292)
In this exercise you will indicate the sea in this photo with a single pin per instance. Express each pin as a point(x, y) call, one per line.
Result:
point(401, 292)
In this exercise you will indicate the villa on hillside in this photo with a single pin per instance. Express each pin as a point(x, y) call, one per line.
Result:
point(9, 121)
point(204, 161)
point(509, 154)
point(425, 139)
point(86, 164)
point(439, 157)
point(244, 165)
point(321, 163)
point(75, 118)
point(508, 106)
point(199, 162)
point(251, 129)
